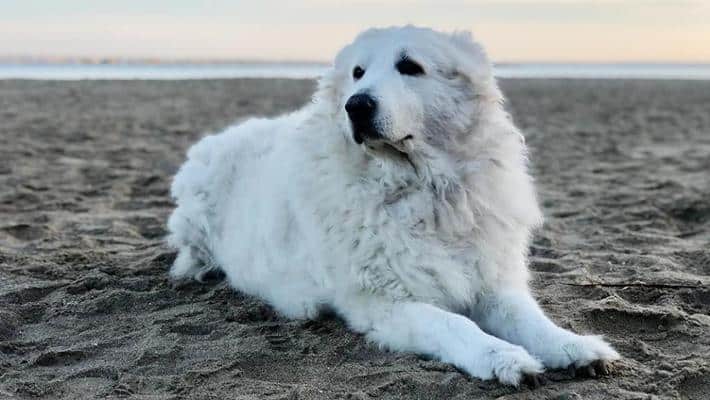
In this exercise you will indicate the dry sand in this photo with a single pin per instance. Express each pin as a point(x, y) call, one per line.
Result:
point(86, 309)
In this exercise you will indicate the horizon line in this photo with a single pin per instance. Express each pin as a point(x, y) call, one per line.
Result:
point(118, 60)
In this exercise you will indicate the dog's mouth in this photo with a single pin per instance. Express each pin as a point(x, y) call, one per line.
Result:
point(398, 150)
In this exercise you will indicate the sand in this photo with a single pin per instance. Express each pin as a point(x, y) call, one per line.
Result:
point(86, 309)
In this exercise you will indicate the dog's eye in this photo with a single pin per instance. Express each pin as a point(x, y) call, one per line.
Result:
point(358, 72)
point(406, 66)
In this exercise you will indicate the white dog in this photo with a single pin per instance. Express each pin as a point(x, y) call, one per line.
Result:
point(400, 199)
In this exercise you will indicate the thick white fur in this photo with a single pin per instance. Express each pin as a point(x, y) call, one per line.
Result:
point(425, 255)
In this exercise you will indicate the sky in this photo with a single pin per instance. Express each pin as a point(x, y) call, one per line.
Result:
point(313, 30)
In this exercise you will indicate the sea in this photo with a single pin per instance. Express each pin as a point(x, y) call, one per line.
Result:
point(178, 71)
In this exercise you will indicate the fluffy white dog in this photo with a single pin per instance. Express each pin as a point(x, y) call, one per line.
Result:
point(400, 199)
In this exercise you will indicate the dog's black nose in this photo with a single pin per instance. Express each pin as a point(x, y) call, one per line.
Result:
point(361, 108)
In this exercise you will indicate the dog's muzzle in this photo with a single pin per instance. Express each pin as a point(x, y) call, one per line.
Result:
point(362, 109)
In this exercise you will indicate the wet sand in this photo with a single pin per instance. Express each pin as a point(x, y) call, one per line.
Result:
point(86, 309)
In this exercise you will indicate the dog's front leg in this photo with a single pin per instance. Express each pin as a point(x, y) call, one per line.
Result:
point(515, 316)
point(426, 329)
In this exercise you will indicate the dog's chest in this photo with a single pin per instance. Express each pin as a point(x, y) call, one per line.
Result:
point(411, 208)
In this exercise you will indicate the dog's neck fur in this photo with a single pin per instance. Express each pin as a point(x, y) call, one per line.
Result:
point(458, 181)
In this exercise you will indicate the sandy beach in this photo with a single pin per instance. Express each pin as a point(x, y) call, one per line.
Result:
point(87, 310)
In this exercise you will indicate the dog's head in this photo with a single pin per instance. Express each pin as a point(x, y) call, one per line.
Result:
point(407, 91)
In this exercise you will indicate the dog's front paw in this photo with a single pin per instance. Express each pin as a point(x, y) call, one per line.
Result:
point(510, 364)
point(590, 355)
point(513, 364)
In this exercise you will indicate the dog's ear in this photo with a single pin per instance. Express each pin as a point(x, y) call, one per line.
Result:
point(471, 63)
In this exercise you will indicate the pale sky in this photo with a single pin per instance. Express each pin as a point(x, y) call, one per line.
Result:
point(511, 30)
